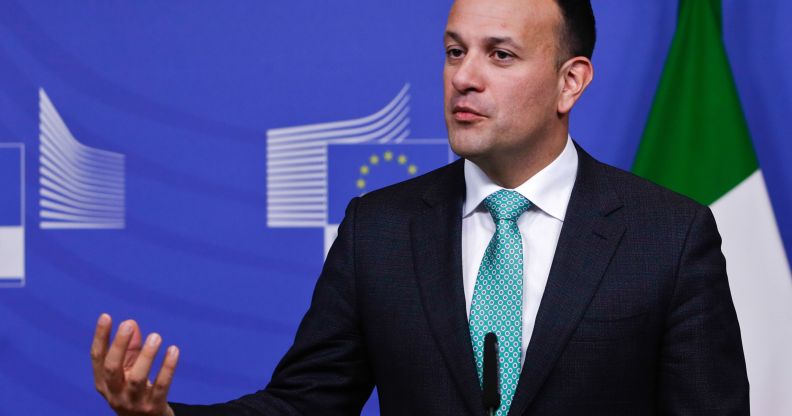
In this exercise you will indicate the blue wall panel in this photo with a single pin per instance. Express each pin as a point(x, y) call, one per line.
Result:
point(187, 92)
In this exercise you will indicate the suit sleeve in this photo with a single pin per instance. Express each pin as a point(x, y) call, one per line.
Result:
point(326, 370)
point(702, 366)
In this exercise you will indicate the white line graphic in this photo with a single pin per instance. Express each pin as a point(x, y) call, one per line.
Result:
point(297, 160)
point(80, 187)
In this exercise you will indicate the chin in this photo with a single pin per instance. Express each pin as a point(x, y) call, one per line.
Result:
point(469, 147)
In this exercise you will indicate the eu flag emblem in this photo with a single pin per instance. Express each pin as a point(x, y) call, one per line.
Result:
point(12, 221)
point(354, 170)
point(10, 186)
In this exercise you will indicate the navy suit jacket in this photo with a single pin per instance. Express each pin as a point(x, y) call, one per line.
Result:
point(636, 318)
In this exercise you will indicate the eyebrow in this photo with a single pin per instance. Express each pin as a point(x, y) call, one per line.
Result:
point(491, 40)
point(453, 35)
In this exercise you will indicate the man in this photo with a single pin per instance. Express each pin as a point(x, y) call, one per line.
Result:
point(608, 294)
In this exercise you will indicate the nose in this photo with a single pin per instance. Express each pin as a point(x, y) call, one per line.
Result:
point(468, 76)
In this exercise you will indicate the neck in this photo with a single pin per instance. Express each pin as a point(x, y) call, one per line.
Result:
point(512, 169)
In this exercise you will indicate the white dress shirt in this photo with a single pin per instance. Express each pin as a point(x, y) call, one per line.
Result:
point(549, 191)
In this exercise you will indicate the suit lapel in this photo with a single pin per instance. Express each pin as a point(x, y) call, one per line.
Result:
point(586, 245)
point(587, 242)
point(437, 252)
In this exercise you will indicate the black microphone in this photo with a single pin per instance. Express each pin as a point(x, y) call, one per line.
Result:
point(490, 387)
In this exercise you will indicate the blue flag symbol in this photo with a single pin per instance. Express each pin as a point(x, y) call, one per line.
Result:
point(354, 170)
point(10, 186)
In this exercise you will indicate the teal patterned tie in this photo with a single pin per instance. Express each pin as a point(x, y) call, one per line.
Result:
point(497, 298)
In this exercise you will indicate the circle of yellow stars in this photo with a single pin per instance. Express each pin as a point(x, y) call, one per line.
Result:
point(386, 157)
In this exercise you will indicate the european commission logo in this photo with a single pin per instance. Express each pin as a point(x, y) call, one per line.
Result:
point(80, 187)
point(314, 170)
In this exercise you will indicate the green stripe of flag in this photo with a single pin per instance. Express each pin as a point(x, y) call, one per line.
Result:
point(696, 140)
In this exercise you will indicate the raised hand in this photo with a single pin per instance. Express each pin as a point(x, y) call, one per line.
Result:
point(121, 371)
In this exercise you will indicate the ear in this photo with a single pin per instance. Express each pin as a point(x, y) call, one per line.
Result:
point(574, 76)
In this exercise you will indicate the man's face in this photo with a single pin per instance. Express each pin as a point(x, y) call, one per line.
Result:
point(501, 78)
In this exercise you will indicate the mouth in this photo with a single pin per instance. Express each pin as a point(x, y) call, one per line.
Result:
point(467, 114)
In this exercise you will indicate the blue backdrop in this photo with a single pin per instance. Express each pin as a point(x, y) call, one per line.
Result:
point(187, 99)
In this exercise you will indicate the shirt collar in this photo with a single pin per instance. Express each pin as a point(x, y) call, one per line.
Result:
point(549, 189)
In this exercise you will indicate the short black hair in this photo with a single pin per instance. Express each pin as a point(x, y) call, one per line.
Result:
point(578, 31)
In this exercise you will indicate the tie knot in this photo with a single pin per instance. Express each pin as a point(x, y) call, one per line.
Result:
point(506, 205)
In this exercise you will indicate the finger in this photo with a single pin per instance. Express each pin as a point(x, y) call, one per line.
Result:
point(114, 373)
point(99, 347)
point(159, 391)
point(137, 377)
point(133, 349)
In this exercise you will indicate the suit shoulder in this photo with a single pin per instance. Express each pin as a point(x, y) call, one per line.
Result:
point(644, 195)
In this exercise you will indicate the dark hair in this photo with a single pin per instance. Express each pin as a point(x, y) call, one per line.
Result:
point(579, 32)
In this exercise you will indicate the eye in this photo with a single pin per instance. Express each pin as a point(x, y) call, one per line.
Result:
point(454, 53)
point(502, 55)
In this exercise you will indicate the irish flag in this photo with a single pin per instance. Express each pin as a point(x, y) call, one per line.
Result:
point(697, 143)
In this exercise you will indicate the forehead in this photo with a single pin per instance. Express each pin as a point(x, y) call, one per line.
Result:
point(526, 19)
